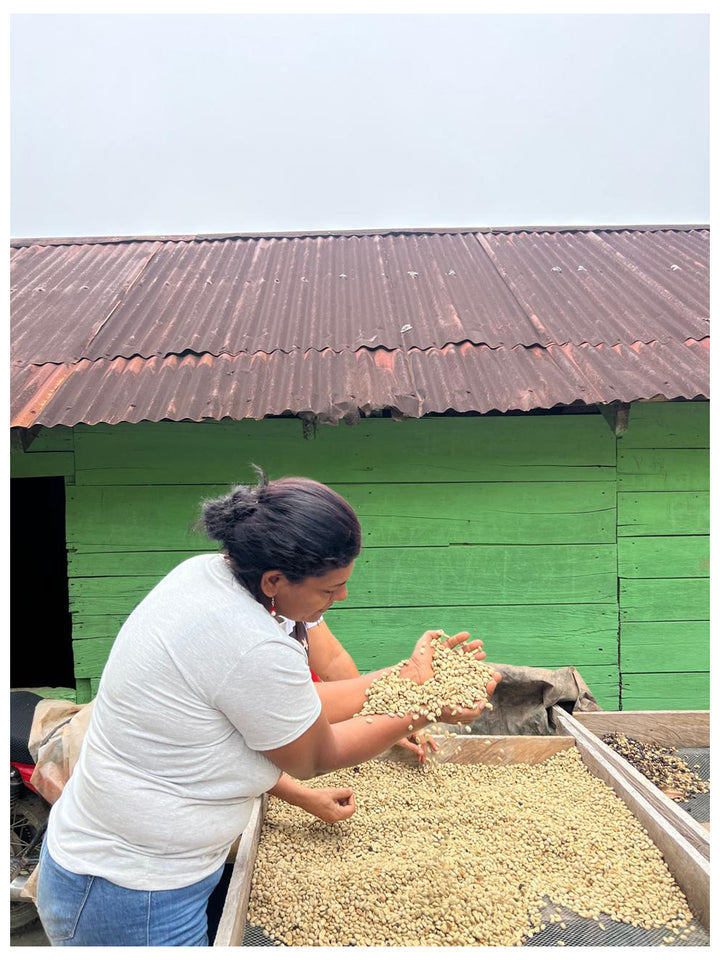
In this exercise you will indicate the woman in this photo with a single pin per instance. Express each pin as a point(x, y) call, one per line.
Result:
point(204, 702)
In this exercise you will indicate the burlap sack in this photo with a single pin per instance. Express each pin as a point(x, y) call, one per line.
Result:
point(56, 736)
point(522, 701)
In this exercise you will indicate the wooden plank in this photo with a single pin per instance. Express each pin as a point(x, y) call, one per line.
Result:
point(649, 557)
point(130, 518)
point(495, 751)
point(52, 439)
point(90, 656)
point(603, 681)
point(665, 599)
point(41, 464)
point(669, 728)
point(667, 647)
point(231, 928)
point(658, 514)
point(84, 690)
point(109, 595)
point(663, 470)
point(658, 691)
point(380, 450)
point(99, 627)
point(161, 517)
point(388, 577)
point(153, 564)
point(536, 636)
point(684, 844)
point(532, 635)
point(51, 693)
point(673, 424)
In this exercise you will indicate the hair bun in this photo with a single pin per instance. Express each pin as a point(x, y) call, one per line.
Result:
point(220, 516)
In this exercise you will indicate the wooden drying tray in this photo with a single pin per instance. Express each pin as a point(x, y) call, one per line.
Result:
point(690, 869)
point(668, 728)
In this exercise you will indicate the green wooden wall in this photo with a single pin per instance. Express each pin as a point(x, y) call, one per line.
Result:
point(546, 536)
point(663, 557)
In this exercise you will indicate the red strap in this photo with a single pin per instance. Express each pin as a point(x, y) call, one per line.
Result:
point(315, 677)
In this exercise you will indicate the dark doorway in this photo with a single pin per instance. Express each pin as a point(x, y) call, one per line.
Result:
point(40, 624)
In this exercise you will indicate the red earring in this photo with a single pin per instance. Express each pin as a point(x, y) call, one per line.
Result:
point(272, 607)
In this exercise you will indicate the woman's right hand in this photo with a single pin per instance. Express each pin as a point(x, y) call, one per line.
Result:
point(468, 714)
point(329, 805)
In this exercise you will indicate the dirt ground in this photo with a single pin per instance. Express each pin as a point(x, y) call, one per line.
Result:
point(32, 936)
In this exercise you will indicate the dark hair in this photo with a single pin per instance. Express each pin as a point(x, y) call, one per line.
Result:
point(295, 525)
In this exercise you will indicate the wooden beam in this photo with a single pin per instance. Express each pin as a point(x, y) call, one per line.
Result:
point(617, 415)
point(676, 839)
point(669, 728)
point(495, 750)
point(231, 929)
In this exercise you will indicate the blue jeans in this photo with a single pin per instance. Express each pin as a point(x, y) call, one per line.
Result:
point(77, 910)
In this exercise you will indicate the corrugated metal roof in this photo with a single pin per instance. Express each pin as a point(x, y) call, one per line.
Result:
point(331, 325)
point(460, 377)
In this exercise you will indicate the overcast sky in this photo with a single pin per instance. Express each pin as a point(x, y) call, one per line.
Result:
point(185, 124)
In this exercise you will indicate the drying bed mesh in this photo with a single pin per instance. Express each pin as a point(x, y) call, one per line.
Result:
point(578, 932)
point(698, 759)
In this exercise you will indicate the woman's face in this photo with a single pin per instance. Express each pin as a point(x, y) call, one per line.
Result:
point(310, 598)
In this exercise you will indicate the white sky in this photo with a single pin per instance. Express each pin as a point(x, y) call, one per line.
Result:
point(180, 124)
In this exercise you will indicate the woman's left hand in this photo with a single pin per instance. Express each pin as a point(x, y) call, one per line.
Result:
point(418, 745)
point(329, 805)
point(419, 666)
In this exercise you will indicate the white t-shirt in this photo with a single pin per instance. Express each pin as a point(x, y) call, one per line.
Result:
point(200, 680)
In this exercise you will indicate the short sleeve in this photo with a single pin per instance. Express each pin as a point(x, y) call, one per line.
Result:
point(269, 696)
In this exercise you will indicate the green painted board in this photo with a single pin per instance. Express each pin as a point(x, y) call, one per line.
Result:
point(150, 564)
point(684, 599)
point(54, 438)
point(648, 557)
point(393, 576)
point(53, 693)
point(162, 517)
point(51, 439)
point(376, 450)
point(603, 684)
point(663, 470)
point(41, 464)
point(607, 696)
point(90, 656)
point(590, 627)
point(84, 690)
point(662, 691)
point(667, 647)
point(98, 627)
point(541, 635)
point(511, 634)
point(658, 514)
point(673, 424)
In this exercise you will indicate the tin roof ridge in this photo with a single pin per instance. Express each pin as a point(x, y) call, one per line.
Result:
point(361, 232)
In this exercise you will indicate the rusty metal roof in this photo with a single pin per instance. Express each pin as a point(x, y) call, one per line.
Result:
point(128, 329)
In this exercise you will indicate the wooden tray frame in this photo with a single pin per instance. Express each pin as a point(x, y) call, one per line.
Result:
point(669, 728)
point(689, 867)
